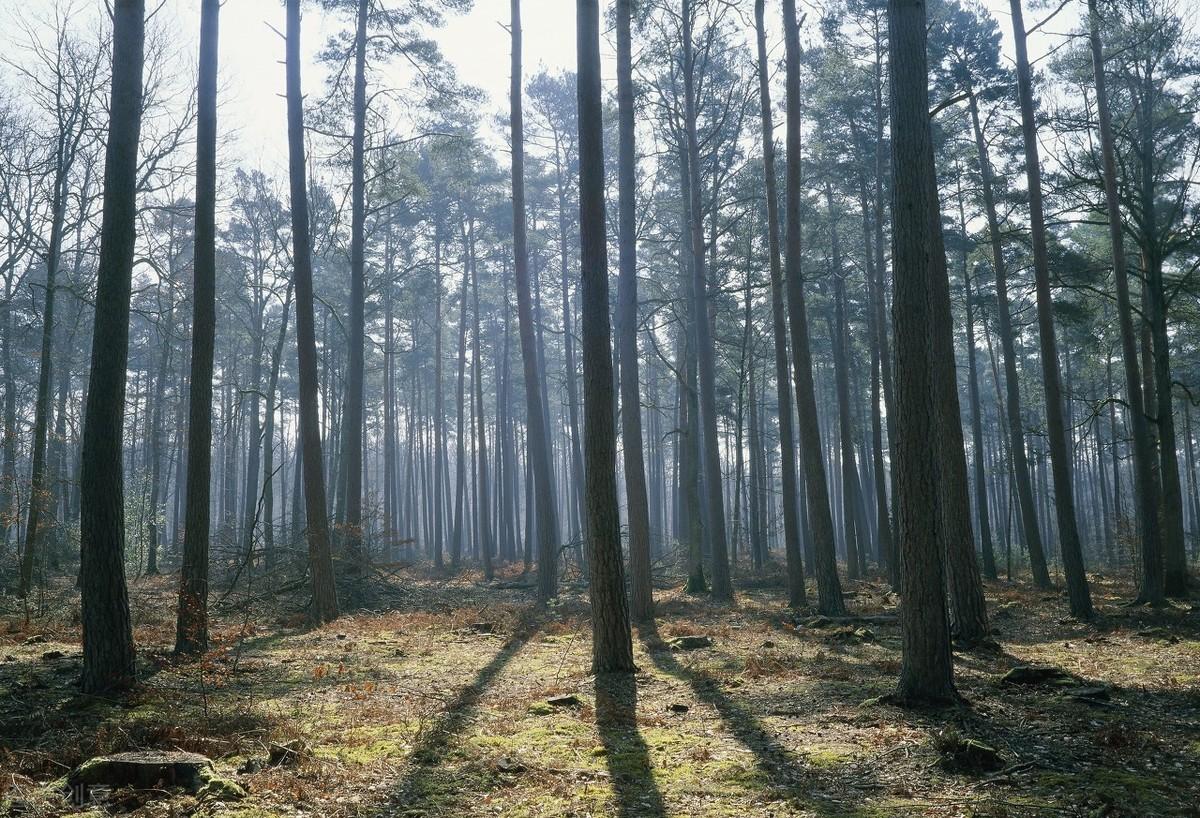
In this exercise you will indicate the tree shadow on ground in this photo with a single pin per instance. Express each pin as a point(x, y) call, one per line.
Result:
point(419, 788)
point(794, 781)
point(626, 754)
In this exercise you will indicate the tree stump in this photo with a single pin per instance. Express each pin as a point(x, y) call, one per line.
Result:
point(151, 769)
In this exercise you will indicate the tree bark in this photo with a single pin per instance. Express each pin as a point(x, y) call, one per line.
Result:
point(927, 667)
point(612, 647)
point(1060, 463)
point(1012, 388)
point(1145, 484)
point(483, 514)
point(108, 650)
point(820, 517)
point(538, 437)
point(636, 500)
point(797, 597)
point(268, 490)
point(320, 559)
point(710, 454)
point(981, 499)
point(854, 521)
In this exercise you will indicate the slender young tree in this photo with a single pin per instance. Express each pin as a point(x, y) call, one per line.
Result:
point(108, 650)
point(820, 516)
point(538, 436)
point(191, 621)
point(927, 667)
point(642, 596)
point(1060, 456)
point(320, 560)
point(612, 648)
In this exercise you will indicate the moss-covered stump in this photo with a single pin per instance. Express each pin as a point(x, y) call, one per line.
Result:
point(154, 769)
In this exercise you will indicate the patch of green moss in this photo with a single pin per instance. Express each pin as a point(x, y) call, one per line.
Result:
point(367, 753)
point(1138, 793)
point(216, 788)
point(829, 756)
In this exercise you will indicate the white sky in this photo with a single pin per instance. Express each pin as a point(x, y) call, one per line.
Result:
point(251, 53)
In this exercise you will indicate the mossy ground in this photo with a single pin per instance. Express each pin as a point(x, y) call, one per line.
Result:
point(409, 712)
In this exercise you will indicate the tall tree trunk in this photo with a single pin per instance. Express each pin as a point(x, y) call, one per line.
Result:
point(538, 437)
point(1060, 463)
point(636, 499)
point(191, 624)
point(483, 513)
point(574, 499)
point(8, 476)
point(254, 440)
point(320, 559)
point(612, 648)
point(797, 598)
point(710, 453)
point(352, 408)
point(820, 518)
point(156, 441)
point(967, 605)
point(1016, 439)
point(758, 545)
point(1175, 570)
point(268, 490)
point(460, 478)
point(981, 501)
point(1145, 484)
point(854, 522)
point(108, 651)
point(39, 491)
point(879, 293)
point(439, 410)
point(927, 667)
point(1190, 464)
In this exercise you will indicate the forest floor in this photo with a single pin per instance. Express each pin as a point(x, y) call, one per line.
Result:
point(464, 701)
